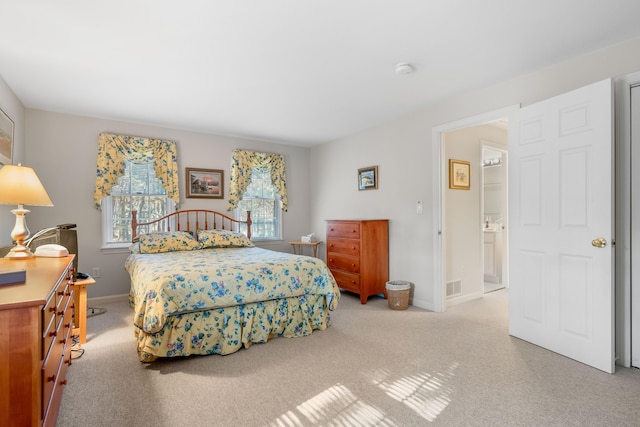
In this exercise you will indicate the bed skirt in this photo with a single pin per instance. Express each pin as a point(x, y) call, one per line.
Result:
point(226, 330)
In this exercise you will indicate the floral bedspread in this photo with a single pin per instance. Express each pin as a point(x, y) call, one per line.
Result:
point(170, 284)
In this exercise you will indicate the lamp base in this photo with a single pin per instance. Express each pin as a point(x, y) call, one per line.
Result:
point(19, 234)
point(19, 252)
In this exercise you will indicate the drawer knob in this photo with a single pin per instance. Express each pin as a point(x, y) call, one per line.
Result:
point(353, 265)
point(353, 231)
point(61, 313)
point(67, 325)
point(53, 333)
point(52, 378)
point(60, 293)
point(52, 309)
point(63, 382)
point(63, 341)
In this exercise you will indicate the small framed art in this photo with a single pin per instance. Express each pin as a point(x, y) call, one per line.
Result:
point(368, 178)
point(205, 183)
point(459, 174)
point(6, 139)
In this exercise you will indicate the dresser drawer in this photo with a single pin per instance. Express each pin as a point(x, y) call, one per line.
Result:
point(48, 322)
point(347, 281)
point(55, 367)
point(343, 246)
point(51, 370)
point(349, 230)
point(55, 364)
point(343, 262)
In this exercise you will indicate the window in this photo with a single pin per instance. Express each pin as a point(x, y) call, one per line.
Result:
point(133, 172)
point(264, 203)
point(138, 189)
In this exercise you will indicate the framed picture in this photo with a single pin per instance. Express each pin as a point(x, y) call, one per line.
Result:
point(368, 178)
point(6, 139)
point(459, 174)
point(205, 183)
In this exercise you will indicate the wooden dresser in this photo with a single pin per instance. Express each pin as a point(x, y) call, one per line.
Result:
point(35, 341)
point(358, 255)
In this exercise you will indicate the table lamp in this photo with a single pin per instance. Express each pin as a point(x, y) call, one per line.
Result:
point(19, 185)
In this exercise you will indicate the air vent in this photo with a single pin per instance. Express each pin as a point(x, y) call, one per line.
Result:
point(454, 288)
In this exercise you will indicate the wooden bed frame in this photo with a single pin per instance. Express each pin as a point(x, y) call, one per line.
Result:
point(192, 220)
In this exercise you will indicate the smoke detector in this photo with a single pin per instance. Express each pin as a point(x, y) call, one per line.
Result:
point(404, 68)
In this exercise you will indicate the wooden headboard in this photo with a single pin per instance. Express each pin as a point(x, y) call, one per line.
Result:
point(191, 220)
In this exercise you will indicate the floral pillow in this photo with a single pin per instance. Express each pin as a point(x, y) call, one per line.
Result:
point(154, 243)
point(223, 239)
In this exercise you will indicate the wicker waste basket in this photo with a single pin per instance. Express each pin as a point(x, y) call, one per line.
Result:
point(398, 294)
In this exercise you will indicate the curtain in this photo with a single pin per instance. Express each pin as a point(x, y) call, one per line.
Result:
point(115, 150)
point(242, 164)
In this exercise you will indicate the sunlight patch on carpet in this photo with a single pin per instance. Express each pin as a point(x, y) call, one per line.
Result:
point(424, 393)
point(336, 406)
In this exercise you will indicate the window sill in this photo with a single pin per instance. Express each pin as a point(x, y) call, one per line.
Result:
point(115, 249)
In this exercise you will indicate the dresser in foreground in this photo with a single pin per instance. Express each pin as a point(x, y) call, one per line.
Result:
point(36, 319)
point(358, 255)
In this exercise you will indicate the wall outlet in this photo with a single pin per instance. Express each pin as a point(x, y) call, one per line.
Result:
point(419, 207)
point(96, 272)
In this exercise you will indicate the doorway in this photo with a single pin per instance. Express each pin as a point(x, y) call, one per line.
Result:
point(464, 276)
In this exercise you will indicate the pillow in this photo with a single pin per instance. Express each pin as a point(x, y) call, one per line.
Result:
point(135, 247)
point(172, 241)
point(223, 239)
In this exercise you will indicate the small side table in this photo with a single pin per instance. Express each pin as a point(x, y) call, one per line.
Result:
point(297, 247)
point(80, 308)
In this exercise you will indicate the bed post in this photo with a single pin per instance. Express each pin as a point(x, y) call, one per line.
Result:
point(134, 224)
point(248, 224)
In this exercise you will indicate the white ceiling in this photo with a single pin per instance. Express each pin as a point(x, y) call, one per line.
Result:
point(298, 72)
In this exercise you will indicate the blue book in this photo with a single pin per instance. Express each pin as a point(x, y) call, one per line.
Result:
point(9, 277)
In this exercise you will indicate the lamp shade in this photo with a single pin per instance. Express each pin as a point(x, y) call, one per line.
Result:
point(19, 185)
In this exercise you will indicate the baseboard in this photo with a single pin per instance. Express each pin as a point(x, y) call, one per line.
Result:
point(93, 302)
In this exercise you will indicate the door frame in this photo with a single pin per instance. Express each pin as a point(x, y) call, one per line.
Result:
point(439, 168)
point(625, 158)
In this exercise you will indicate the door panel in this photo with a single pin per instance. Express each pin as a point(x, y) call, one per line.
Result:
point(561, 198)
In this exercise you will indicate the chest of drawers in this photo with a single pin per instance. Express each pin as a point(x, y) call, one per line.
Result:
point(35, 338)
point(358, 255)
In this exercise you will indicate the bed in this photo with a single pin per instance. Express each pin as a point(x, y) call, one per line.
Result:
point(200, 287)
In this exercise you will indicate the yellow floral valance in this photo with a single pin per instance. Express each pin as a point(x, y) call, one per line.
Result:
point(242, 164)
point(115, 150)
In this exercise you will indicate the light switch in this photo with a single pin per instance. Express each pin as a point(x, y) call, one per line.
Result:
point(419, 207)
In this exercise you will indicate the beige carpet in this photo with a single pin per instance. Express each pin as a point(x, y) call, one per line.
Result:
point(373, 367)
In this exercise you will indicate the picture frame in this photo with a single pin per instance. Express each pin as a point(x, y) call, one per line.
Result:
point(368, 178)
point(459, 174)
point(6, 138)
point(204, 183)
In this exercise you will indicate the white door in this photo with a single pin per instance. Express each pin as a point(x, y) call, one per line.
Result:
point(561, 293)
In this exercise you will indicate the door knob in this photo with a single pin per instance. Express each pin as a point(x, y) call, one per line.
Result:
point(599, 242)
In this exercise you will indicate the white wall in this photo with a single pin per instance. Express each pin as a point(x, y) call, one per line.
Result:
point(13, 108)
point(63, 149)
point(403, 150)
